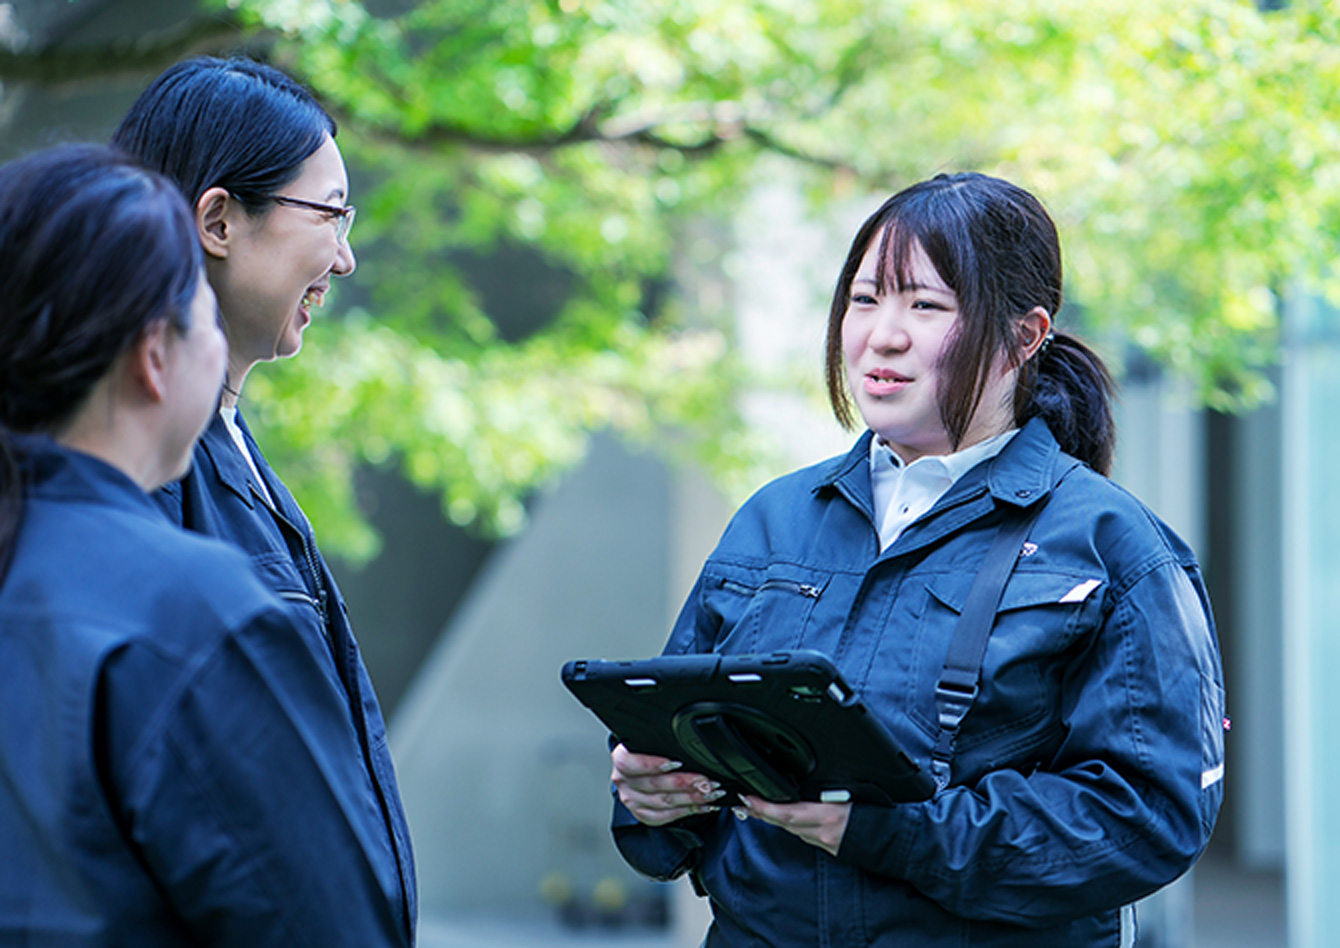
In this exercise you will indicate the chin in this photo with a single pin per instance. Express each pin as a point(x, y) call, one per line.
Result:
point(289, 346)
point(183, 468)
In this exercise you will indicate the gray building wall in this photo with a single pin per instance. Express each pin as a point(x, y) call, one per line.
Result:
point(1310, 569)
point(504, 775)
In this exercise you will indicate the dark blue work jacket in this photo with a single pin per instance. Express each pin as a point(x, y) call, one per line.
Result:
point(1086, 774)
point(219, 498)
point(175, 767)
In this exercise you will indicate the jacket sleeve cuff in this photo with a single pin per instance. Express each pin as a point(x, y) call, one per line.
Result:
point(661, 852)
point(879, 839)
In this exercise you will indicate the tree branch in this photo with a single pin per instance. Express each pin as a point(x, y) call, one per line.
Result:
point(725, 123)
point(60, 65)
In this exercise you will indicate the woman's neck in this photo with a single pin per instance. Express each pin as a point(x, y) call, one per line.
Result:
point(232, 385)
point(115, 433)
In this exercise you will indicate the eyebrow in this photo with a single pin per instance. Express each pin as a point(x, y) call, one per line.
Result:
point(907, 287)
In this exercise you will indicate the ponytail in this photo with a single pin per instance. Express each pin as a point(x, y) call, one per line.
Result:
point(997, 249)
point(1069, 387)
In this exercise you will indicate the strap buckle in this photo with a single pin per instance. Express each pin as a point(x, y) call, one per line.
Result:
point(953, 699)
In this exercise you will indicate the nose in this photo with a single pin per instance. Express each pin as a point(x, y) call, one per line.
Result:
point(345, 262)
point(888, 332)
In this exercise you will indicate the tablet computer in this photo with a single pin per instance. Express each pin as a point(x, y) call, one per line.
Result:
point(783, 726)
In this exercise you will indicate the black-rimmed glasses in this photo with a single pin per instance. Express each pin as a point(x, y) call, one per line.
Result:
point(344, 215)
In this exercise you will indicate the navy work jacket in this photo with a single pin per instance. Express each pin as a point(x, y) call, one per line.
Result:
point(219, 497)
point(175, 767)
point(1086, 774)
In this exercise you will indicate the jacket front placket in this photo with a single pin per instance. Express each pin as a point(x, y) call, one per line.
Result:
point(1020, 475)
point(967, 503)
point(973, 500)
point(296, 531)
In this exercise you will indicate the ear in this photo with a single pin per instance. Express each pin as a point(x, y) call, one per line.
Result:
point(147, 362)
point(1033, 330)
point(213, 221)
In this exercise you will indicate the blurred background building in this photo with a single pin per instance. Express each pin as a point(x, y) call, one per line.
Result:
point(506, 778)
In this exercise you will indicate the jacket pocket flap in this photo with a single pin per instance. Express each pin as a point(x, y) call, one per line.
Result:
point(279, 573)
point(1024, 590)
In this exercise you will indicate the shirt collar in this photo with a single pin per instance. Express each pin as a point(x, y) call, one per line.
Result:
point(948, 466)
point(1032, 470)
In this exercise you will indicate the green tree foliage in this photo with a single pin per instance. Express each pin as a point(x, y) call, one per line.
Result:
point(1187, 149)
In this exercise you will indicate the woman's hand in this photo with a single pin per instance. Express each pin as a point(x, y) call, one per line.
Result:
point(819, 824)
point(656, 791)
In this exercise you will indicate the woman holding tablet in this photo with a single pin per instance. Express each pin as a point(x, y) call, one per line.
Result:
point(1087, 770)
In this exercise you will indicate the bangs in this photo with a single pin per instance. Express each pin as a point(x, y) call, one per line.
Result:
point(899, 239)
point(992, 244)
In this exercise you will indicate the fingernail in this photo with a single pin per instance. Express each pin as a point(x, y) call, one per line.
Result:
point(670, 765)
point(706, 786)
point(740, 813)
point(715, 794)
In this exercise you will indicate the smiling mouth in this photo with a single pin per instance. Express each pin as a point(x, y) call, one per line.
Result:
point(313, 297)
point(884, 382)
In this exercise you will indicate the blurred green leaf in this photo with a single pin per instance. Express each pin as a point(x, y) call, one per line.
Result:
point(1187, 151)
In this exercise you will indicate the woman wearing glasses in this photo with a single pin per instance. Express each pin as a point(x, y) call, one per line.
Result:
point(175, 768)
point(256, 157)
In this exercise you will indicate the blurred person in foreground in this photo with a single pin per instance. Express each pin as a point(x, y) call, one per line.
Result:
point(1087, 772)
point(176, 768)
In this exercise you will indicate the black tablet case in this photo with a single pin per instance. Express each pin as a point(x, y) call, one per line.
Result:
point(783, 726)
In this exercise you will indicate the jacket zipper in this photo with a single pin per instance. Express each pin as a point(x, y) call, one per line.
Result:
point(803, 589)
point(316, 579)
point(292, 595)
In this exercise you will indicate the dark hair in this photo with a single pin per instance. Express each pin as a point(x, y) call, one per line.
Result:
point(230, 123)
point(995, 246)
point(94, 250)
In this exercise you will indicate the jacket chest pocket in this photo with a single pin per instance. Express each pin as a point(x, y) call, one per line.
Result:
point(764, 609)
point(278, 572)
point(1041, 620)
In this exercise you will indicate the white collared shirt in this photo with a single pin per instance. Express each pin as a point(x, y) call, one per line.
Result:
point(903, 492)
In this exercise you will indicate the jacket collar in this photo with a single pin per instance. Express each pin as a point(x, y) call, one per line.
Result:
point(849, 474)
point(233, 470)
point(235, 473)
point(229, 465)
point(1023, 471)
point(55, 472)
point(1027, 467)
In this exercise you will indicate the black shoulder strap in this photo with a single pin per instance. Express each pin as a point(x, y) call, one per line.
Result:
point(958, 685)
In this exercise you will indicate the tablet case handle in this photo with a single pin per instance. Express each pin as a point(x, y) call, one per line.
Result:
point(758, 751)
point(959, 681)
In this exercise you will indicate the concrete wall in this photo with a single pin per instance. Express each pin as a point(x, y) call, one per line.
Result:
point(1310, 565)
point(503, 773)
